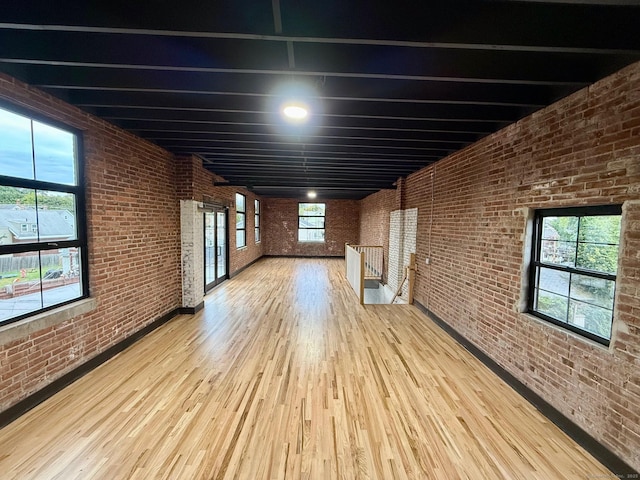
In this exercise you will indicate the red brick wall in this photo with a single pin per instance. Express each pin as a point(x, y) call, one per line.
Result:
point(281, 228)
point(134, 248)
point(196, 183)
point(375, 213)
point(583, 150)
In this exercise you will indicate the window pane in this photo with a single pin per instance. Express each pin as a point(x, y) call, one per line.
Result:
point(597, 291)
point(600, 229)
point(240, 207)
point(55, 154)
point(240, 220)
point(257, 221)
point(598, 257)
point(585, 244)
point(311, 209)
point(19, 285)
point(18, 221)
point(553, 305)
point(311, 222)
point(560, 228)
point(240, 238)
point(257, 230)
point(554, 281)
point(311, 235)
point(591, 318)
point(16, 155)
point(56, 216)
point(256, 205)
point(31, 278)
point(61, 273)
point(558, 252)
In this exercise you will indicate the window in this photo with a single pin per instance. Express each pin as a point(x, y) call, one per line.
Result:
point(43, 261)
point(241, 221)
point(311, 222)
point(573, 268)
point(257, 220)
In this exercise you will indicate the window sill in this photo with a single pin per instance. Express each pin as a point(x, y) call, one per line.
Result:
point(568, 332)
point(27, 326)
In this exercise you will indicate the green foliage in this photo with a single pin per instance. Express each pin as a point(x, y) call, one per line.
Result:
point(27, 197)
point(16, 276)
point(601, 252)
point(11, 195)
point(554, 306)
point(597, 238)
point(599, 322)
point(567, 227)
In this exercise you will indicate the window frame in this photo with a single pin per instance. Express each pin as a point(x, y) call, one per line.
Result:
point(324, 222)
point(243, 214)
point(78, 190)
point(536, 263)
point(256, 225)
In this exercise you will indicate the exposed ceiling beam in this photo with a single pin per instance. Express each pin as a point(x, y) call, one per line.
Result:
point(302, 73)
point(302, 139)
point(411, 101)
point(321, 40)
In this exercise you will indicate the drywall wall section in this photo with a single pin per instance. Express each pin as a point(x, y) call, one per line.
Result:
point(583, 150)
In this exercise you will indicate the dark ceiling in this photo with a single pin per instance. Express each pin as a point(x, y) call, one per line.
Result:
point(396, 85)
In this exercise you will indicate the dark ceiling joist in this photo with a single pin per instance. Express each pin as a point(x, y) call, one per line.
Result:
point(320, 40)
point(301, 73)
point(398, 88)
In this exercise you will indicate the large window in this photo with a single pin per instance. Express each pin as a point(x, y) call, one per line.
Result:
point(257, 220)
point(43, 252)
point(311, 222)
point(241, 221)
point(573, 269)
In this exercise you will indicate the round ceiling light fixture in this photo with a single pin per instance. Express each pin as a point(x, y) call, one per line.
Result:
point(295, 111)
point(312, 194)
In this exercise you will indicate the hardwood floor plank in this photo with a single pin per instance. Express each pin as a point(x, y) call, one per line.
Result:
point(283, 375)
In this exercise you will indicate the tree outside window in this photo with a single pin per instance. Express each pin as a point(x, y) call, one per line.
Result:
point(573, 274)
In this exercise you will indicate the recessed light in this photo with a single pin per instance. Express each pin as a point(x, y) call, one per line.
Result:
point(311, 194)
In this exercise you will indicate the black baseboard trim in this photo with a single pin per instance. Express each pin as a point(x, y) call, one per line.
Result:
point(304, 256)
point(33, 400)
point(614, 463)
point(241, 269)
point(191, 310)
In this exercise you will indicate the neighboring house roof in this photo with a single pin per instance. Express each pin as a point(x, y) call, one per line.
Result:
point(57, 224)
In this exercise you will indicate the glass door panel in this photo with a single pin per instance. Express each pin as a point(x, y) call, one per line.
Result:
point(215, 248)
point(209, 248)
point(221, 245)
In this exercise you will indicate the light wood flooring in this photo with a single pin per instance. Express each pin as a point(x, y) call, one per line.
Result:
point(285, 375)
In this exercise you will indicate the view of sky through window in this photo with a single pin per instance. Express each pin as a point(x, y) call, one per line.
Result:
point(36, 151)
